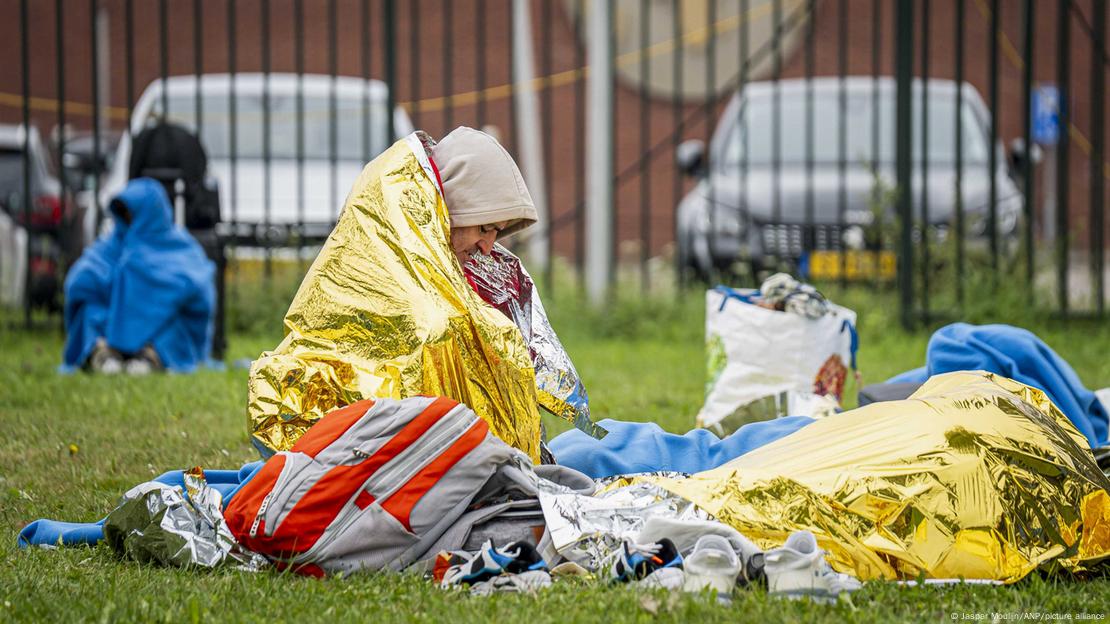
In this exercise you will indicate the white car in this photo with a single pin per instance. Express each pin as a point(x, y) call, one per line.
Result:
point(251, 215)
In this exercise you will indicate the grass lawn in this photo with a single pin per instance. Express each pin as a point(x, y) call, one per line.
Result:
point(639, 362)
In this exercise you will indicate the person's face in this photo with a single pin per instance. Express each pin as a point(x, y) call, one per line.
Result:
point(467, 241)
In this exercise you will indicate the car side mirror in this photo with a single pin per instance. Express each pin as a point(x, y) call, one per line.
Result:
point(690, 156)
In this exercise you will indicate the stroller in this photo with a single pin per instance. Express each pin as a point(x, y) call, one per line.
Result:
point(175, 157)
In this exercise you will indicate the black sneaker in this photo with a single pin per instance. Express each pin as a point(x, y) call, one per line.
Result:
point(490, 562)
point(637, 561)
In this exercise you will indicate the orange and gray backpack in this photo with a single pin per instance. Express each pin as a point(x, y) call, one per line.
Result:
point(370, 486)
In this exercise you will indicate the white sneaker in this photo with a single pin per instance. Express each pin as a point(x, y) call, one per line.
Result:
point(110, 366)
point(671, 579)
point(528, 582)
point(138, 367)
point(713, 564)
point(798, 569)
point(104, 359)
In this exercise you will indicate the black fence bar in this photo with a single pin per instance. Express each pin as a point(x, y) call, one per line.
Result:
point(676, 137)
point(94, 66)
point(548, 153)
point(710, 99)
point(810, 237)
point(333, 112)
point(926, 228)
point(60, 68)
point(480, 63)
point(129, 62)
point(414, 61)
point(1098, 155)
point(163, 55)
point(1027, 129)
point(448, 51)
point(879, 202)
point(842, 134)
point(742, 81)
point(298, 52)
point(233, 113)
point(389, 11)
point(512, 143)
point(267, 171)
point(992, 177)
point(579, 147)
point(959, 29)
point(612, 173)
point(904, 153)
point(776, 119)
point(198, 63)
point(1063, 77)
point(364, 57)
point(25, 64)
point(645, 134)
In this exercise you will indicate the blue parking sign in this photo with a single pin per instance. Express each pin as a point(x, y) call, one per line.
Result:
point(1046, 114)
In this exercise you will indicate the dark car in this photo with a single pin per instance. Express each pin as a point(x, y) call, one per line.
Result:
point(48, 216)
point(750, 204)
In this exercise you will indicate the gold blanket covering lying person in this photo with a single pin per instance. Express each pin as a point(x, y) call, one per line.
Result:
point(973, 476)
point(385, 311)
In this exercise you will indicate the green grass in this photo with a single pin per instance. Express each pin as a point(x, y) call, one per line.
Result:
point(640, 360)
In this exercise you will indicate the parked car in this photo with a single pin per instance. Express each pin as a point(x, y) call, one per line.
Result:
point(731, 216)
point(48, 217)
point(241, 179)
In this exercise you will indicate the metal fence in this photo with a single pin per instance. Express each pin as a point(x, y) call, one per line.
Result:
point(932, 146)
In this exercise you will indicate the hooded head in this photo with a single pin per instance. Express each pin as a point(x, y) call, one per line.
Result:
point(484, 191)
point(143, 208)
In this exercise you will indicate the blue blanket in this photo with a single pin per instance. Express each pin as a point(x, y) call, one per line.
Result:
point(146, 282)
point(58, 533)
point(633, 447)
point(1021, 356)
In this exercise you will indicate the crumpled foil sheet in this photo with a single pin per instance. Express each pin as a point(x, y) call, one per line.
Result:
point(974, 476)
point(502, 281)
point(385, 312)
point(159, 523)
point(588, 530)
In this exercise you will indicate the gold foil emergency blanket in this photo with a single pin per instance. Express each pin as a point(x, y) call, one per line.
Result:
point(974, 476)
point(384, 311)
point(502, 281)
point(156, 522)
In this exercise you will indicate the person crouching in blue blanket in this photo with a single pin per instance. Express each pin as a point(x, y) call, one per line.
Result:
point(142, 298)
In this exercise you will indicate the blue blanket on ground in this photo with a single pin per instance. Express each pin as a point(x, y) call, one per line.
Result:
point(57, 533)
point(146, 282)
point(633, 447)
point(1021, 356)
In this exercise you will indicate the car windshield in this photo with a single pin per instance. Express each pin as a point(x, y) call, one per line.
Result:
point(216, 125)
point(758, 119)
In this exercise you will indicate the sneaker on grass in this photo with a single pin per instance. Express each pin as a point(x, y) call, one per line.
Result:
point(713, 564)
point(105, 359)
point(637, 561)
point(798, 569)
point(489, 562)
point(528, 582)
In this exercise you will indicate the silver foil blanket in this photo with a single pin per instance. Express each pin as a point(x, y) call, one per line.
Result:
point(159, 523)
point(588, 530)
point(502, 281)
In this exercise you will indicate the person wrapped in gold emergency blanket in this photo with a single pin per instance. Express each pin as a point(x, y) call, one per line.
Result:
point(385, 310)
point(974, 476)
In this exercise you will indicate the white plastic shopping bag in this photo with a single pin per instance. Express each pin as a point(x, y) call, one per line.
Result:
point(765, 363)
